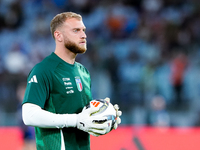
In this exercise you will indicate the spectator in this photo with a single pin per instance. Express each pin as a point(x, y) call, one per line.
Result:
point(178, 68)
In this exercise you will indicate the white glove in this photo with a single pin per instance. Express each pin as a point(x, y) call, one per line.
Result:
point(118, 119)
point(94, 134)
point(118, 113)
point(86, 122)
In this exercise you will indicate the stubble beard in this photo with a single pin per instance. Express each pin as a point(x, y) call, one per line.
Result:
point(74, 48)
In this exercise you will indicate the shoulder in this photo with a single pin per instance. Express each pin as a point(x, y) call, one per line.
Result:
point(46, 66)
point(48, 63)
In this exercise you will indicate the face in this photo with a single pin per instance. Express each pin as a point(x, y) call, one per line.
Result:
point(74, 36)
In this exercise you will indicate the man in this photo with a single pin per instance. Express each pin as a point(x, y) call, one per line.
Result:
point(57, 90)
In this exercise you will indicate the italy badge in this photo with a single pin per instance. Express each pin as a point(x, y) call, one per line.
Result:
point(78, 83)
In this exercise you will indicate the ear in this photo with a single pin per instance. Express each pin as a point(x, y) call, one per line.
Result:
point(58, 36)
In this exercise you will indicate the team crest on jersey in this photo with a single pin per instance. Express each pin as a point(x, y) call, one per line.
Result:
point(79, 83)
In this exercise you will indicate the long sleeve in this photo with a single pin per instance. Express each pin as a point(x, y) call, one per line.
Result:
point(34, 115)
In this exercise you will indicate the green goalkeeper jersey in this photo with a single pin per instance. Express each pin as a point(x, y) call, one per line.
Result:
point(60, 88)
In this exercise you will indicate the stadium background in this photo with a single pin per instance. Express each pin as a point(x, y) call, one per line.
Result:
point(143, 54)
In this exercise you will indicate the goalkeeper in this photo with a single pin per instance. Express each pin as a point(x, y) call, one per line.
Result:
point(57, 90)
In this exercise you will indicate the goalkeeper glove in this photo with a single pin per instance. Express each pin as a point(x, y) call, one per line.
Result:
point(118, 113)
point(86, 122)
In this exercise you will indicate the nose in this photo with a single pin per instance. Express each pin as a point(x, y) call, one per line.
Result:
point(83, 35)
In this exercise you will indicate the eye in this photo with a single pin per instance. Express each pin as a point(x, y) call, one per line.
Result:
point(75, 30)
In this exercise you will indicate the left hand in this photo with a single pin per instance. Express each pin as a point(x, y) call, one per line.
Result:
point(118, 113)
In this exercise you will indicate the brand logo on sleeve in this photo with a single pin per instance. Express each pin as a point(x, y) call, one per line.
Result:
point(33, 79)
point(79, 83)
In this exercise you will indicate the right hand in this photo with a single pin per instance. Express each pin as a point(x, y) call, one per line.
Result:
point(86, 122)
point(118, 113)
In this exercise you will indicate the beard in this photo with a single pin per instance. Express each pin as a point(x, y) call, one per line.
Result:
point(74, 48)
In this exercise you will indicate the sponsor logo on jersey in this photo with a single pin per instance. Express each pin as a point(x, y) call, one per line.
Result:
point(70, 92)
point(67, 83)
point(70, 87)
point(79, 83)
point(66, 79)
point(33, 79)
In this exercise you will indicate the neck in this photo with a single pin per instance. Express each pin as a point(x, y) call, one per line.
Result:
point(65, 55)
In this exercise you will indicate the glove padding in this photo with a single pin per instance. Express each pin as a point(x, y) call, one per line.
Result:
point(118, 120)
point(118, 113)
point(86, 122)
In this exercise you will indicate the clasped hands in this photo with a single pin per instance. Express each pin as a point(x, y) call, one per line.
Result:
point(86, 123)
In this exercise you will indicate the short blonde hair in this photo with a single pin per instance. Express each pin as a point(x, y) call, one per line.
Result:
point(59, 19)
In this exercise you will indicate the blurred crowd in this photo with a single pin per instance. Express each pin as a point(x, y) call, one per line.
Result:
point(143, 54)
